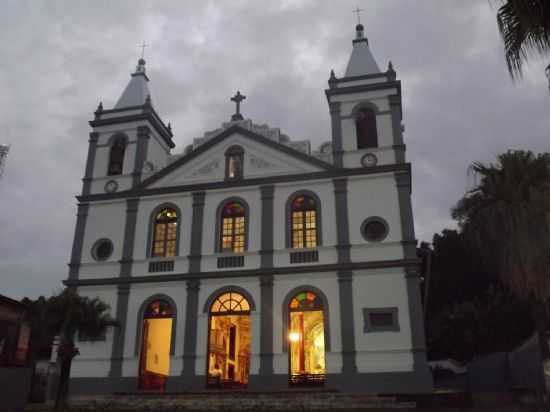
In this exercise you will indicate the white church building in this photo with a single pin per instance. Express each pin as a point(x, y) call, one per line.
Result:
point(252, 261)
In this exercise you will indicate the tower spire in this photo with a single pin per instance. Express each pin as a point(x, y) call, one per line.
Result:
point(136, 92)
point(361, 61)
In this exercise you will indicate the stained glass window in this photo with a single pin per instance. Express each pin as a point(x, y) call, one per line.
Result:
point(305, 301)
point(234, 163)
point(365, 127)
point(304, 222)
point(230, 302)
point(165, 233)
point(116, 156)
point(158, 309)
point(233, 230)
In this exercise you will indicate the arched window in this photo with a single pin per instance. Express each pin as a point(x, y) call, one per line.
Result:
point(234, 163)
point(365, 126)
point(165, 233)
point(233, 227)
point(116, 156)
point(306, 336)
point(230, 302)
point(304, 222)
point(158, 309)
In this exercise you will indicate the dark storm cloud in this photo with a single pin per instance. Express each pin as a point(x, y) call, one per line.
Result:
point(59, 59)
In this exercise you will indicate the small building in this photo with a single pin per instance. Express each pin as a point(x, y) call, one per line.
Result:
point(15, 372)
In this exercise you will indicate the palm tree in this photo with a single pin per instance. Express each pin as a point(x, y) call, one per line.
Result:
point(525, 28)
point(70, 315)
point(507, 217)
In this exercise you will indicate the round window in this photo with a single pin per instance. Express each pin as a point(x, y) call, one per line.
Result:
point(374, 229)
point(102, 249)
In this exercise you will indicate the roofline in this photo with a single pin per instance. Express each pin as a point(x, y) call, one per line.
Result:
point(222, 136)
point(148, 113)
point(334, 172)
point(13, 302)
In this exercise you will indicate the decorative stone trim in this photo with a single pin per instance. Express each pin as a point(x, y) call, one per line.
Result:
point(307, 256)
point(230, 261)
point(369, 326)
point(103, 242)
point(161, 266)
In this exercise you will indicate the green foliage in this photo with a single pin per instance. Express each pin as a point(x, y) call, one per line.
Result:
point(525, 28)
point(492, 322)
point(67, 314)
point(506, 217)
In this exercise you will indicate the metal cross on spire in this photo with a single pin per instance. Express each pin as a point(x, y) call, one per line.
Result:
point(238, 98)
point(143, 46)
point(358, 11)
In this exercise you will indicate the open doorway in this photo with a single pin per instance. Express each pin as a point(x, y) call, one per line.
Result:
point(229, 342)
point(154, 365)
point(307, 340)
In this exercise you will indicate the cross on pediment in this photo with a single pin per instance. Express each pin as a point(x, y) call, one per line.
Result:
point(358, 11)
point(238, 98)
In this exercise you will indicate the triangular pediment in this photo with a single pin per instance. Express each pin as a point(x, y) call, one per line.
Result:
point(262, 158)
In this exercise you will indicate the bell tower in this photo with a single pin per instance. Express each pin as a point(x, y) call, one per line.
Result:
point(128, 142)
point(365, 109)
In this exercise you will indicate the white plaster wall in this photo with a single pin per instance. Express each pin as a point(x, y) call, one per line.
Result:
point(382, 351)
point(105, 220)
point(97, 270)
point(138, 294)
point(209, 287)
point(146, 206)
point(385, 155)
point(157, 151)
point(94, 359)
point(372, 195)
point(328, 283)
point(213, 199)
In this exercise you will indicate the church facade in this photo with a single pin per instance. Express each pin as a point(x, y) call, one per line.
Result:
point(251, 261)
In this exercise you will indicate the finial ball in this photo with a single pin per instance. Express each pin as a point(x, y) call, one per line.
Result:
point(141, 62)
point(359, 27)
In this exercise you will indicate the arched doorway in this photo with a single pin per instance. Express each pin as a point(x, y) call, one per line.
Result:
point(229, 336)
point(306, 337)
point(154, 361)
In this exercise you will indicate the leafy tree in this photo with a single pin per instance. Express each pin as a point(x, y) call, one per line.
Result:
point(68, 315)
point(506, 216)
point(525, 28)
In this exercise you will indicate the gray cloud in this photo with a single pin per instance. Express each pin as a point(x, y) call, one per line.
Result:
point(60, 58)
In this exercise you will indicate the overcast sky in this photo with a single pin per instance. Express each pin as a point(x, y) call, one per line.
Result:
point(58, 59)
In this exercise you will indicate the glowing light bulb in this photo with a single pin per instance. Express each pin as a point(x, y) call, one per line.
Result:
point(294, 336)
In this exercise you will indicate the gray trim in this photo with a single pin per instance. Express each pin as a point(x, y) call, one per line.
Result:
point(224, 135)
point(403, 183)
point(148, 114)
point(326, 174)
point(361, 77)
point(95, 246)
point(90, 163)
point(336, 128)
point(115, 136)
point(217, 240)
point(226, 289)
point(143, 135)
point(396, 117)
point(363, 88)
point(266, 252)
point(129, 237)
point(225, 274)
point(190, 335)
point(288, 216)
point(266, 326)
point(139, 324)
point(367, 327)
point(286, 313)
point(345, 290)
point(117, 350)
point(374, 219)
point(195, 248)
point(342, 221)
point(156, 210)
point(413, 382)
point(78, 240)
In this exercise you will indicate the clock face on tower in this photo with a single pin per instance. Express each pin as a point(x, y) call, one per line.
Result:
point(111, 186)
point(369, 160)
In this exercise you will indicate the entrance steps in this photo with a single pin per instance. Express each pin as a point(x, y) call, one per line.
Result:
point(239, 401)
